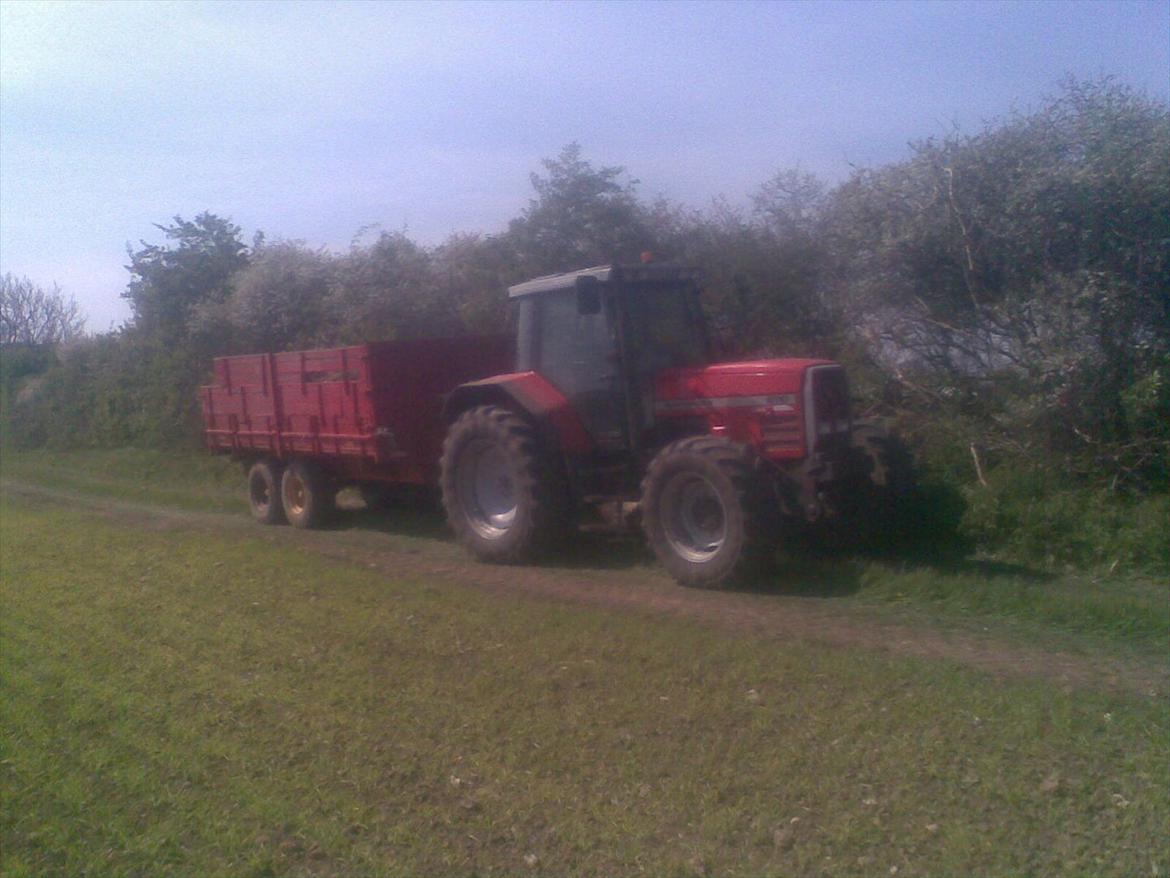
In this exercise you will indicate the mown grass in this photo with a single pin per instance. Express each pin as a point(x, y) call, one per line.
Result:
point(1127, 609)
point(193, 704)
point(196, 482)
point(1118, 610)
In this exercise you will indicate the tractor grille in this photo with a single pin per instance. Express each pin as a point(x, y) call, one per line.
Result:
point(781, 432)
point(826, 406)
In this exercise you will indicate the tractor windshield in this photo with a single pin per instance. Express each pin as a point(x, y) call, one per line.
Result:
point(665, 327)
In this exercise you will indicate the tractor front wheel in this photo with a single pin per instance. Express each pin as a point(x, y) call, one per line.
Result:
point(705, 513)
point(500, 492)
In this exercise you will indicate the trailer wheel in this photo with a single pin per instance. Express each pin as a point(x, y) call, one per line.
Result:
point(706, 513)
point(264, 492)
point(308, 494)
point(502, 495)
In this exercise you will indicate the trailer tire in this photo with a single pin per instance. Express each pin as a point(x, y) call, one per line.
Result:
point(308, 494)
point(707, 514)
point(264, 492)
point(501, 492)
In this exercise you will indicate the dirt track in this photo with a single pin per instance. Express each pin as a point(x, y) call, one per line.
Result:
point(635, 588)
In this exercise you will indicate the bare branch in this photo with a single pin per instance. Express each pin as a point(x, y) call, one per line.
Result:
point(31, 314)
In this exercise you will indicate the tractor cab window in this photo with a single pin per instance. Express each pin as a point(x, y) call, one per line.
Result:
point(665, 328)
point(578, 354)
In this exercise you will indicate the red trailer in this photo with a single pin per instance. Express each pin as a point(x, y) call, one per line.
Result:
point(372, 412)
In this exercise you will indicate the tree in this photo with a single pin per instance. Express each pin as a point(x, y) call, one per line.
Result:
point(168, 282)
point(473, 272)
point(581, 216)
point(387, 290)
point(33, 315)
point(277, 301)
point(791, 204)
point(1019, 279)
point(761, 269)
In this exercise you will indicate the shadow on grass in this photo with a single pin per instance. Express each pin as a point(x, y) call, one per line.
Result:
point(822, 573)
point(601, 549)
point(416, 514)
point(843, 574)
point(821, 578)
point(421, 516)
point(419, 523)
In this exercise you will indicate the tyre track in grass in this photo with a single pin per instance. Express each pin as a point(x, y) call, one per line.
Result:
point(776, 616)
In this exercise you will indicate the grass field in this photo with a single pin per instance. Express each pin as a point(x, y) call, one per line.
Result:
point(1089, 610)
point(205, 703)
point(186, 481)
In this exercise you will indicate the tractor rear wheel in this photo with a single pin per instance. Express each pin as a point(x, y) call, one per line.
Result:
point(308, 494)
point(706, 514)
point(264, 492)
point(501, 493)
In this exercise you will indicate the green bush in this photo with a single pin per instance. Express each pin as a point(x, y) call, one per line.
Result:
point(1028, 515)
point(108, 392)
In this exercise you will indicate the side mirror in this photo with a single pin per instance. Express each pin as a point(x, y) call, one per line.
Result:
point(588, 296)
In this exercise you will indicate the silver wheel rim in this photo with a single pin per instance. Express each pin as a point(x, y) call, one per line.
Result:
point(693, 517)
point(296, 494)
point(487, 489)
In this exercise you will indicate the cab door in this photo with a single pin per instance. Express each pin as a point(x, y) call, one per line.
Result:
point(578, 353)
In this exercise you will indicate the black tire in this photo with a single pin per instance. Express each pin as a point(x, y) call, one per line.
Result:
point(707, 514)
point(264, 492)
point(308, 494)
point(503, 495)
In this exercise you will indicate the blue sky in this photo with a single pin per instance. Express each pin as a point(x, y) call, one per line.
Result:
point(311, 120)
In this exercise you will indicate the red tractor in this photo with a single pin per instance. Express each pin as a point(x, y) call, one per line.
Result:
point(613, 401)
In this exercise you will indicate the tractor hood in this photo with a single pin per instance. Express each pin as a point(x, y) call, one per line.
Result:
point(755, 383)
point(786, 409)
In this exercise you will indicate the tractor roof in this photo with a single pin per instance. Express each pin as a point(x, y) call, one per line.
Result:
point(654, 271)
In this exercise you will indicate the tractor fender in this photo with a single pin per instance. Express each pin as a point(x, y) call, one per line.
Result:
point(528, 393)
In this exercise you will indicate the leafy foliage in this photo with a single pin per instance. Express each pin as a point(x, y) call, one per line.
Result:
point(167, 284)
point(276, 302)
point(387, 291)
point(581, 216)
point(1035, 516)
point(761, 279)
point(1018, 281)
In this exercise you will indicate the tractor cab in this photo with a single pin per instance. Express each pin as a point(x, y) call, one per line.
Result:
point(603, 335)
